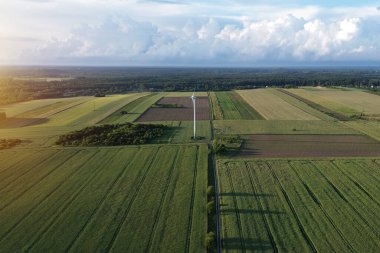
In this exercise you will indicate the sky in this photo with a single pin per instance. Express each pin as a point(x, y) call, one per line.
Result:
point(227, 33)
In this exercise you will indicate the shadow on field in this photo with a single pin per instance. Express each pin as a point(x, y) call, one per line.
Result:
point(249, 211)
point(249, 244)
point(246, 194)
point(21, 122)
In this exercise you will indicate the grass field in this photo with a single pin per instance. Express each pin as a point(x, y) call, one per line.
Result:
point(229, 105)
point(349, 102)
point(130, 199)
point(182, 131)
point(134, 109)
point(272, 107)
point(300, 205)
point(331, 99)
point(301, 105)
point(370, 128)
point(281, 127)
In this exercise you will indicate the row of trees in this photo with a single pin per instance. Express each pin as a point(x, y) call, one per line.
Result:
point(91, 81)
point(113, 135)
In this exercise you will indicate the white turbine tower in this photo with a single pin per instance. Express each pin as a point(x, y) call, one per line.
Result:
point(193, 98)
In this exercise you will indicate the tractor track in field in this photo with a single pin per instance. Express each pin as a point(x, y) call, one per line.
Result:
point(237, 212)
point(266, 223)
point(37, 182)
point(15, 165)
point(341, 195)
point(67, 204)
point(100, 204)
point(298, 220)
point(315, 199)
point(46, 159)
point(162, 200)
point(45, 198)
point(134, 196)
point(362, 188)
point(191, 213)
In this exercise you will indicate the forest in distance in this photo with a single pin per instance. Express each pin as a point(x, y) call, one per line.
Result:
point(27, 83)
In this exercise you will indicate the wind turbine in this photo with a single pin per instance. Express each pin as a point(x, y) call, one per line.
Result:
point(193, 98)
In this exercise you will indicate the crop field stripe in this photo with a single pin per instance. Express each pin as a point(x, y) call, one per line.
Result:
point(317, 201)
point(299, 223)
point(301, 104)
point(224, 202)
point(146, 205)
point(237, 213)
point(191, 212)
point(21, 162)
point(130, 204)
point(309, 209)
point(357, 184)
point(258, 235)
point(338, 210)
point(170, 225)
point(114, 183)
point(246, 110)
point(346, 198)
point(199, 220)
point(83, 209)
point(43, 230)
point(286, 232)
point(19, 173)
point(117, 214)
point(18, 195)
point(365, 189)
point(255, 190)
point(58, 186)
point(157, 216)
point(9, 162)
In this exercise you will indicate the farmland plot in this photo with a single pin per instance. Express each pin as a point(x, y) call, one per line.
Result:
point(133, 110)
point(370, 128)
point(309, 146)
point(349, 103)
point(272, 107)
point(131, 199)
point(230, 105)
point(300, 205)
point(182, 113)
point(299, 127)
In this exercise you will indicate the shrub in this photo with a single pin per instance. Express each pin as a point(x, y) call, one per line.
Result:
point(210, 240)
point(210, 191)
point(210, 207)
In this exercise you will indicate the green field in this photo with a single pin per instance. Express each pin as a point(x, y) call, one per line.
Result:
point(272, 107)
point(131, 199)
point(281, 127)
point(182, 131)
point(134, 109)
point(370, 128)
point(347, 102)
point(300, 205)
point(230, 105)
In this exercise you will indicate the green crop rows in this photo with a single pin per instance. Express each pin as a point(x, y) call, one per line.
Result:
point(300, 205)
point(135, 199)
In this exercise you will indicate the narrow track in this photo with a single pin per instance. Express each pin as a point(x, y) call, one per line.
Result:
point(216, 189)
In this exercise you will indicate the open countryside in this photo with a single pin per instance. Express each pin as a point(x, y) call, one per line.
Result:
point(300, 181)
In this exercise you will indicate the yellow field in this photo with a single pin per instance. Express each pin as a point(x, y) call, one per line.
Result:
point(15, 109)
point(347, 102)
point(273, 107)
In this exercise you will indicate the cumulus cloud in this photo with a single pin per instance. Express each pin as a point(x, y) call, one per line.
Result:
point(285, 39)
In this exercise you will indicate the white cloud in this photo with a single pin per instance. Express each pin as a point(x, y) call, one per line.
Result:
point(167, 32)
